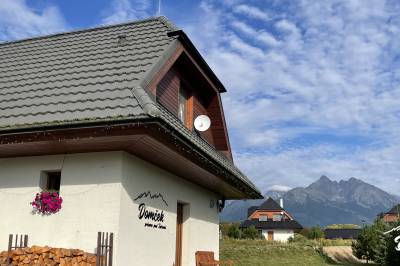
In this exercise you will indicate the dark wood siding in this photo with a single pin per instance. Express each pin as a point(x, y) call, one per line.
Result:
point(217, 127)
point(204, 101)
point(168, 91)
point(200, 108)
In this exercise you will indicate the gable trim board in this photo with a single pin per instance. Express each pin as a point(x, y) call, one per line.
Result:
point(92, 99)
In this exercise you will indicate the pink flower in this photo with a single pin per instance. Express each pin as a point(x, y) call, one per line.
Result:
point(47, 202)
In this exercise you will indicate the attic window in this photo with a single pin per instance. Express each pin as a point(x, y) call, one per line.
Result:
point(185, 107)
point(51, 181)
point(277, 217)
point(263, 218)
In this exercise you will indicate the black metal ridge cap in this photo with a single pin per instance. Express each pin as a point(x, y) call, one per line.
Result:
point(190, 46)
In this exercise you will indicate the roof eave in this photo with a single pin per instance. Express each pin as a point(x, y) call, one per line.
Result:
point(248, 190)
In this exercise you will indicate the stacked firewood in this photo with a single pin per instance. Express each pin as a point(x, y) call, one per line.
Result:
point(39, 256)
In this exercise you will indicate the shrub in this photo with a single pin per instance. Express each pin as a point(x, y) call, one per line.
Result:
point(316, 233)
point(224, 228)
point(234, 231)
point(304, 232)
point(250, 233)
point(298, 238)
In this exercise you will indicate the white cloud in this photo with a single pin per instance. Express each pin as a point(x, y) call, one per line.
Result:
point(260, 35)
point(18, 20)
point(251, 11)
point(333, 70)
point(280, 188)
point(264, 138)
point(125, 10)
point(300, 166)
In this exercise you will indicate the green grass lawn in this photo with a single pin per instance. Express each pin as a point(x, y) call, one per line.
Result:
point(263, 253)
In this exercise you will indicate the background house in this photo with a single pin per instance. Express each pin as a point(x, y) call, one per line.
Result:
point(392, 216)
point(272, 221)
point(105, 117)
point(341, 233)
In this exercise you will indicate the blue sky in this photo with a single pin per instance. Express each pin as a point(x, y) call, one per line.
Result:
point(313, 86)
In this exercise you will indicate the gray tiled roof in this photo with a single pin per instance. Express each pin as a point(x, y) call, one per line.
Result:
point(83, 75)
point(90, 76)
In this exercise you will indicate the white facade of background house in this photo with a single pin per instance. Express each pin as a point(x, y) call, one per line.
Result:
point(279, 234)
point(100, 106)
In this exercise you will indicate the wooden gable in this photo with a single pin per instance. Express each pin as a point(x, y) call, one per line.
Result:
point(181, 71)
point(270, 214)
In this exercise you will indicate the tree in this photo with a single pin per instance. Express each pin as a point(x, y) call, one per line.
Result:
point(234, 231)
point(250, 233)
point(316, 233)
point(392, 255)
point(382, 246)
point(387, 254)
point(367, 243)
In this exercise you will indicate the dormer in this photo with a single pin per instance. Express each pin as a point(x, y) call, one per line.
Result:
point(187, 88)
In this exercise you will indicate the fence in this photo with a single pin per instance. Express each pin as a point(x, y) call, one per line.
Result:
point(104, 251)
point(22, 242)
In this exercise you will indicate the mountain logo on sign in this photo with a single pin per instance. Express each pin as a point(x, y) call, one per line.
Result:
point(148, 194)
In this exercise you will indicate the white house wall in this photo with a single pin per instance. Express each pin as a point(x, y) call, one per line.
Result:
point(155, 246)
point(99, 191)
point(90, 187)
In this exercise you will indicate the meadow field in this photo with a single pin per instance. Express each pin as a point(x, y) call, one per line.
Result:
point(263, 253)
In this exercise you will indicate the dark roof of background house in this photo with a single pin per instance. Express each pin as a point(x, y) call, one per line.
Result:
point(91, 76)
point(289, 224)
point(395, 209)
point(269, 204)
point(251, 210)
point(341, 233)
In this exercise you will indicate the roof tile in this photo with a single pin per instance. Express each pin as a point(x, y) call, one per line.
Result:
point(80, 75)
